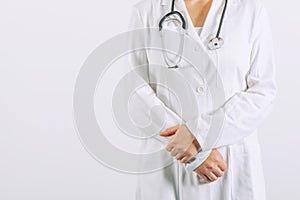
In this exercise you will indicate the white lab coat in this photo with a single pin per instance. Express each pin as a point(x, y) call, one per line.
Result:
point(246, 65)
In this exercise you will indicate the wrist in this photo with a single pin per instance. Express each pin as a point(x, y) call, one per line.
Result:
point(197, 160)
point(197, 145)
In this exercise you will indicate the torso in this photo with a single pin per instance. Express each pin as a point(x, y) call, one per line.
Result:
point(234, 60)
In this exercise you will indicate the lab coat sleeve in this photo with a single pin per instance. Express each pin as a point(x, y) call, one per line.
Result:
point(245, 110)
point(147, 94)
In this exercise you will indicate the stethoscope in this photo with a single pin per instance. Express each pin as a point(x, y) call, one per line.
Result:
point(177, 18)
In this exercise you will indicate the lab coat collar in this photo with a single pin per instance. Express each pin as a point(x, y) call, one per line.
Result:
point(212, 21)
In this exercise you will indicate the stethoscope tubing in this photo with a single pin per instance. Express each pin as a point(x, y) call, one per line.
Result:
point(217, 41)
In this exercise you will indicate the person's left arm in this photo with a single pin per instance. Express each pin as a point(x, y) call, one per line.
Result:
point(245, 110)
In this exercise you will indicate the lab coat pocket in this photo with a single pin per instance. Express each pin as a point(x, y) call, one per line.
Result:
point(239, 166)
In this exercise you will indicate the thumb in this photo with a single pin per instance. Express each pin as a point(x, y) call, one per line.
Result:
point(169, 131)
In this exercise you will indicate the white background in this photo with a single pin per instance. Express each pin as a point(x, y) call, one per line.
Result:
point(42, 47)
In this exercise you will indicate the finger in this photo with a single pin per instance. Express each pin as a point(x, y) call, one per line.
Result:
point(169, 147)
point(169, 131)
point(179, 157)
point(211, 176)
point(186, 158)
point(204, 177)
point(174, 152)
point(207, 178)
point(223, 166)
point(218, 172)
point(173, 128)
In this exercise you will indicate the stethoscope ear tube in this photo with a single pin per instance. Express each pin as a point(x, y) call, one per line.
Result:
point(173, 63)
point(183, 25)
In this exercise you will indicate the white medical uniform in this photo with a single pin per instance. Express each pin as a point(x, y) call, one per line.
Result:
point(246, 66)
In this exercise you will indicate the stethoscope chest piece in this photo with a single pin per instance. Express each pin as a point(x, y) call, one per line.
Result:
point(215, 43)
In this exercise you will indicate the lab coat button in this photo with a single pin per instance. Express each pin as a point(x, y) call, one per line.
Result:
point(200, 89)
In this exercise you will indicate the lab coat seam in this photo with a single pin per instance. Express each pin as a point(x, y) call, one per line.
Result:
point(146, 52)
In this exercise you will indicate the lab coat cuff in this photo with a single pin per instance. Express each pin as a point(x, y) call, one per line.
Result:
point(199, 127)
point(197, 161)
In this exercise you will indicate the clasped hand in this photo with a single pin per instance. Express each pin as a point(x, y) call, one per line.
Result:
point(183, 146)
